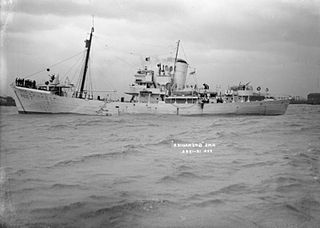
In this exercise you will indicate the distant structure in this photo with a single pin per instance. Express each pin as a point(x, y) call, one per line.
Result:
point(298, 100)
point(7, 101)
point(314, 98)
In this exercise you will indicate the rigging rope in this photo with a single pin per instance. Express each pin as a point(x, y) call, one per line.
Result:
point(184, 53)
point(78, 72)
point(109, 81)
point(76, 63)
point(79, 79)
point(90, 86)
point(64, 60)
point(135, 53)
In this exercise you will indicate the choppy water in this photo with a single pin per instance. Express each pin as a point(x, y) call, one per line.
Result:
point(128, 171)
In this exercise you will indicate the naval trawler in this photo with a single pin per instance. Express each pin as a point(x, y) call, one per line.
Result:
point(161, 89)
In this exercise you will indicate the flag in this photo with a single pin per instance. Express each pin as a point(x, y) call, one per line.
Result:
point(87, 43)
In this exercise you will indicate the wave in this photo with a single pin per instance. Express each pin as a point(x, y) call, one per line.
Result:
point(116, 120)
point(125, 152)
point(217, 124)
point(181, 177)
point(125, 138)
point(130, 207)
point(187, 175)
point(237, 147)
point(83, 122)
point(90, 123)
point(232, 189)
point(60, 126)
point(288, 183)
point(153, 125)
point(25, 190)
point(221, 134)
point(46, 187)
point(141, 125)
point(19, 172)
point(65, 186)
point(60, 209)
point(306, 207)
point(289, 187)
point(259, 164)
point(184, 167)
point(168, 141)
point(308, 159)
point(228, 134)
point(308, 203)
point(99, 198)
point(290, 124)
point(311, 155)
point(118, 181)
point(314, 150)
point(283, 179)
point(66, 163)
point(165, 142)
point(128, 150)
point(211, 202)
point(24, 180)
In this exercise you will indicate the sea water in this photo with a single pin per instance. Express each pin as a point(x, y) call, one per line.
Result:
point(160, 171)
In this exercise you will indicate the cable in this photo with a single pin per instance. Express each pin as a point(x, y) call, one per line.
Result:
point(76, 63)
point(184, 53)
point(29, 76)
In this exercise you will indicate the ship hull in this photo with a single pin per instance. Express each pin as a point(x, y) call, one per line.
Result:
point(271, 107)
point(39, 101)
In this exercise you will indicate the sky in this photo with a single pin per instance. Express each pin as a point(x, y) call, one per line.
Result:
point(273, 44)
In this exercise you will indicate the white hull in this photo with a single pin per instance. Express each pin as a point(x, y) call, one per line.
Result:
point(271, 107)
point(39, 101)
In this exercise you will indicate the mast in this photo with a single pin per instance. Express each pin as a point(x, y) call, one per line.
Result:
point(174, 67)
point(88, 46)
point(175, 59)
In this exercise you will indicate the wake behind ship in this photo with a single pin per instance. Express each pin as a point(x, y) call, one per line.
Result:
point(160, 89)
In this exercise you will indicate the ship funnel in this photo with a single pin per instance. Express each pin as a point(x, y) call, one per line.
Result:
point(180, 73)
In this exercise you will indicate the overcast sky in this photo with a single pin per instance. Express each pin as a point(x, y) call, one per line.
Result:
point(274, 44)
